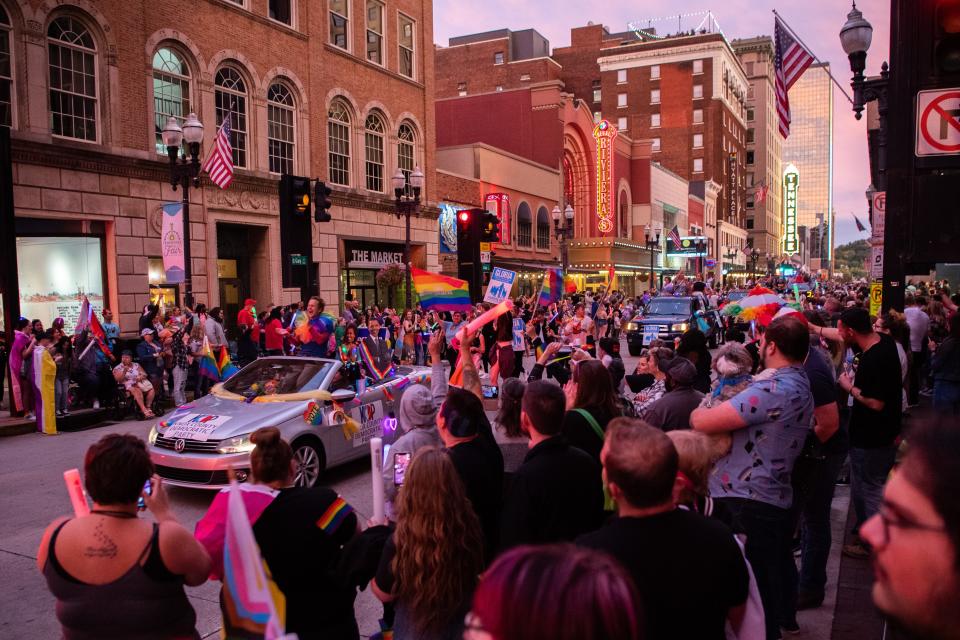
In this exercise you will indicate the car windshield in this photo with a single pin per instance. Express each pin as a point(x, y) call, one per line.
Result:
point(279, 375)
point(668, 307)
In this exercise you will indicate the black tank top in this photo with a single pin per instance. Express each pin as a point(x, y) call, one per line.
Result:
point(146, 602)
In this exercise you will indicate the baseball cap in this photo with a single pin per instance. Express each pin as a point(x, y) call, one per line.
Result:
point(682, 372)
point(145, 332)
point(249, 301)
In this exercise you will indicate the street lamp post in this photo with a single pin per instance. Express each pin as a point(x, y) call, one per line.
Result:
point(563, 225)
point(729, 257)
point(700, 246)
point(856, 37)
point(754, 257)
point(406, 188)
point(183, 172)
point(653, 243)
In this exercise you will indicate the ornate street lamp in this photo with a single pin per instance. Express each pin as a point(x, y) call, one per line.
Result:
point(563, 227)
point(856, 37)
point(406, 189)
point(652, 241)
point(183, 173)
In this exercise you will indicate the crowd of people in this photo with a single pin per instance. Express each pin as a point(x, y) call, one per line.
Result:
point(664, 501)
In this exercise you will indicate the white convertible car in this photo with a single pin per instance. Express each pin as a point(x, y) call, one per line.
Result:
point(310, 400)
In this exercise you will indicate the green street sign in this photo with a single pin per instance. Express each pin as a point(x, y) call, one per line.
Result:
point(298, 259)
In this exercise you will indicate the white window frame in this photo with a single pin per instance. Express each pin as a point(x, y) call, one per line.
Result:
point(654, 120)
point(698, 88)
point(401, 48)
point(293, 15)
point(237, 134)
point(621, 76)
point(694, 115)
point(655, 145)
point(382, 35)
point(654, 72)
point(654, 96)
point(346, 26)
point(697, 67)
point(94, 53)
point(698, 141)
point(498, 58)
point(751, 114)
point(597, 95)
point(621, 101)
point(622, 123)
point(696, 162)
point(410, 143)
point(340, 123)
point(375, 136)
point(289, 108)
point(171, 77)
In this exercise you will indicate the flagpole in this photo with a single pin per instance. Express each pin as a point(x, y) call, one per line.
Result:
point(800, 40)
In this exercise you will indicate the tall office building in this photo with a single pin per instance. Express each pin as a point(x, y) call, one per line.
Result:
point(810, 148)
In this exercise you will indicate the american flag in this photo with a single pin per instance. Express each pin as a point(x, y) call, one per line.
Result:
point(761, 194)
point(675, 236)
point(791, 60)
point(219, 165)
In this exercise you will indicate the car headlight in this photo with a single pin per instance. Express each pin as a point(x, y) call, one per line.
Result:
point(237, 444)
point(683, 326)
point(632, 326)
point(152, 438)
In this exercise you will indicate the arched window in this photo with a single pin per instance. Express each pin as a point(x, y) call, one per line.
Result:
point(406, 150)
point(171, 91)
point(338, 142)
point(524, 225)
point(623, 228)
point(73, 79)
point(6, 73)
point(373, 142)
point(543, 228)
point(281, 142)
point(230, 97)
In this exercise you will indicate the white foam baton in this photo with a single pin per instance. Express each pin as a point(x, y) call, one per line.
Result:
point(376, 473)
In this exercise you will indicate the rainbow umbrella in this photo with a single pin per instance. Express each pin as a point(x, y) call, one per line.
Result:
point(761, 305)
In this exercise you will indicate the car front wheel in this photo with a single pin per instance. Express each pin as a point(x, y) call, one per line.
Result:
point(309, 461)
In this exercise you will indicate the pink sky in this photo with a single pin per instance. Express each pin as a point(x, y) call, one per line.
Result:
point(817, 22)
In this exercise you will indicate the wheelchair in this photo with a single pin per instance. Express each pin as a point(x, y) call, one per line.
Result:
point(124, 405)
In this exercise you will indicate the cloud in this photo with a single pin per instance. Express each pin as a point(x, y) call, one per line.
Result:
point(817, 22)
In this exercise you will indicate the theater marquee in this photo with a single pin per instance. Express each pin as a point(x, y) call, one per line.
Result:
point(791, 182)
point(605, 133)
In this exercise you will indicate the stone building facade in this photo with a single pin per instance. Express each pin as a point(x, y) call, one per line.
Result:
point(342, 92)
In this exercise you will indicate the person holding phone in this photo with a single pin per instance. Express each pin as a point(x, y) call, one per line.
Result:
point(114, 574)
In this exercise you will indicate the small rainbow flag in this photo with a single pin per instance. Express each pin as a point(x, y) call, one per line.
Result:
point(551, 291)
point(225, 367)
point(441, 293)
point(334, 516)
point(207, 366)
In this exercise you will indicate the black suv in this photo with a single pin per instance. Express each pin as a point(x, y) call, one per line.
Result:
point(667, 317)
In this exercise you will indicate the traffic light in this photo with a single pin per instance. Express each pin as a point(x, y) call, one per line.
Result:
point(489, 227)
point(321, 198)
point(946, 38)
point(470, 233)
point(296, 231)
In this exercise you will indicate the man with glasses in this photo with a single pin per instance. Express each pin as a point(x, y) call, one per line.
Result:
point(915, 536)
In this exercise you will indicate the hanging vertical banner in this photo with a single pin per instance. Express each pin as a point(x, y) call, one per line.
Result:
point(171, 242)
point(605, 133)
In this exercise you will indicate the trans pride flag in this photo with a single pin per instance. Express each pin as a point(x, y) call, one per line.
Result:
point(252, 603)
point(441, 293)
point(552, 289)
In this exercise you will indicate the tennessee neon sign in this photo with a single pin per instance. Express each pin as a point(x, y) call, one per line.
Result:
point(791, 182)
point(604, 134)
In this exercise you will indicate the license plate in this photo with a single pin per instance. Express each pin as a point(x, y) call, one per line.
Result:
point(650, 333)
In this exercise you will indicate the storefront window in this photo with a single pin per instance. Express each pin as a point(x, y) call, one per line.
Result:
point(161, 293)
point(55, 273)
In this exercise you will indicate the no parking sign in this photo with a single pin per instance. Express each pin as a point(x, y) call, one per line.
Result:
point(938, 122)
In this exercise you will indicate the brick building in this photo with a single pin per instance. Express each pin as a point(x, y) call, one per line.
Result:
point(685, 93)
point(342, 91)
point(764, 146)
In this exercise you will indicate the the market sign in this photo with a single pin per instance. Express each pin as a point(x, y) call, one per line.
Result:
point(791, 182)
point(604, 134)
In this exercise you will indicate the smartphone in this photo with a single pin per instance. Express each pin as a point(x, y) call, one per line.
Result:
point(141, 505)
point(400, 462)
point(490, 391)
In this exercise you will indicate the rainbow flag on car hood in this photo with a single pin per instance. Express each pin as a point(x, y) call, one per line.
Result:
point(440, 293)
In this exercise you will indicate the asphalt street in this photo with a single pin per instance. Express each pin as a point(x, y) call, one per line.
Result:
point(31, 483)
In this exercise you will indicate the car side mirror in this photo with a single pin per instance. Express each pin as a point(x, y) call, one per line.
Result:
point(343, 395)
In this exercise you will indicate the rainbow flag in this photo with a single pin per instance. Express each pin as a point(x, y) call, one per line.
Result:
point(552, 289)
point(334, 516)
point(252, 603)
point(371, 363)
point(207, 365)
point(440, 293)
point(225, 368)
